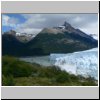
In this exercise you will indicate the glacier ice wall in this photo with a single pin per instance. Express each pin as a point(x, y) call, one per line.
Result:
point(83, 63)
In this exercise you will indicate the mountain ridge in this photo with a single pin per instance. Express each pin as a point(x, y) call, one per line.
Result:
point(61, 39)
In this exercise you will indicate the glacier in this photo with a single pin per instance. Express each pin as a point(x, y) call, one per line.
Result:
point(84, 63)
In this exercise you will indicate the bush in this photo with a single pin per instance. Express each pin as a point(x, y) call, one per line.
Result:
point(63, 77)
point(89, 83)
point(8, 81)
point(16, 68)
point(74, 78)
point(49, 72)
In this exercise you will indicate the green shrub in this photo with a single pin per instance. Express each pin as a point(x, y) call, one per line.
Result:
point(16, 68)
point(8, 81)
point(48, 72)
point(74, 78)
point(63, 77)
point(88, 83)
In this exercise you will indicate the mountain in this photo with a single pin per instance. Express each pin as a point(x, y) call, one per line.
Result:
point(79, 63)
point(11, 32)
point(57, 40)
point(11, 45)
point(95, 36)
point(61, 39)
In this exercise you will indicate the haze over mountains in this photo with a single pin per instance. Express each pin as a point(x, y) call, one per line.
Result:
point(61, 39)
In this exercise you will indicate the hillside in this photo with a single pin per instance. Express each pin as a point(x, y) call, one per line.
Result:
point(58, 41)
point(20, 73)
point(11, 45)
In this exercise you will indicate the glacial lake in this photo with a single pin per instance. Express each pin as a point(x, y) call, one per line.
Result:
point(41, 60)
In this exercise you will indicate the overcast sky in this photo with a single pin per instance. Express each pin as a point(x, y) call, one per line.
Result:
point(33, 23)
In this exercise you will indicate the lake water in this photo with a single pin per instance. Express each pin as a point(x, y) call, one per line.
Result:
point(42, 60)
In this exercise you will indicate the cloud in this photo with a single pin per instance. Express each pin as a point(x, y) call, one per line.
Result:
point(34, 23)
point(91, 28)
point(9, 21)
point(40, 21)
point(29, 30)
point(78, 19)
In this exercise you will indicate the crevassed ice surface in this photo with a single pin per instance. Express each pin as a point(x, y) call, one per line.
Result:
point(83, 63)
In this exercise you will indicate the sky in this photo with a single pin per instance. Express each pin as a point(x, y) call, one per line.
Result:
point(34, 23)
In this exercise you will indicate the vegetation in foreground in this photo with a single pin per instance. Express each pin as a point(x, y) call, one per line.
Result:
point(20, 73)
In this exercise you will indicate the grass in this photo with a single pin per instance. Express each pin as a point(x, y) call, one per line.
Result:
point(20, 73)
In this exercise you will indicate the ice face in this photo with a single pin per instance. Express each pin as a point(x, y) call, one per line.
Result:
point(83, 63)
